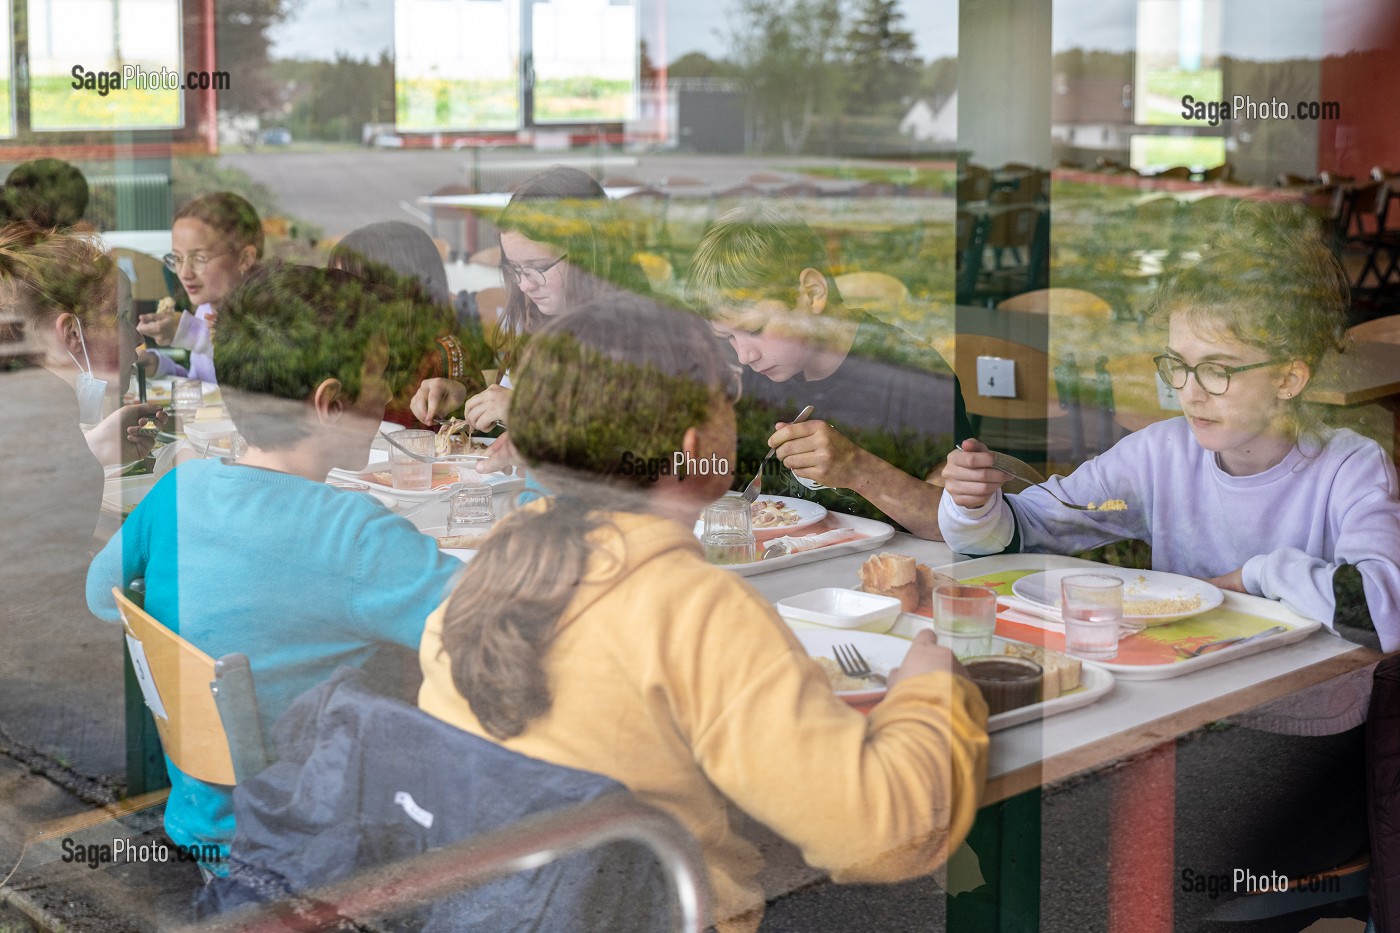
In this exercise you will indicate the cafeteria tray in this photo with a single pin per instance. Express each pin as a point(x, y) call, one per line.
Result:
point(876, 533)
point(1095, 680)
point(1151, 654)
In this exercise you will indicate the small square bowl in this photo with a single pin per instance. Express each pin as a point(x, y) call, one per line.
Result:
point(842, 608)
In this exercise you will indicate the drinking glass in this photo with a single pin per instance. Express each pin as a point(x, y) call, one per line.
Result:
point(964, 618)
point(407, 473)
point(186, 397)
point(1092, 605)
point(469, 508)
point(728, 536)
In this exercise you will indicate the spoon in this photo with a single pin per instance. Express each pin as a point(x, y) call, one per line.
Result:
point(755, 485)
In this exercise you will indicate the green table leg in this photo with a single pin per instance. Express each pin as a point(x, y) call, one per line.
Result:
point(1006, 839)
point(145, 764)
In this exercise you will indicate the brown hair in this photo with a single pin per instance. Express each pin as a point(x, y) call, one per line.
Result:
point(566, 207)
point(1270, 282)
point(48, 272)
point(616, 381)
point(228, 215)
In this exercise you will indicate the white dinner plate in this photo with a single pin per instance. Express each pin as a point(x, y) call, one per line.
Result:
point(882, 652)
point(808, 513)
point(1138, 586)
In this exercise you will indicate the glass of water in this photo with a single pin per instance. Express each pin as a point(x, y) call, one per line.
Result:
point(728, 536)
point(1092, 605)
point(469, 509)
point(408, 473)
point(964, 618)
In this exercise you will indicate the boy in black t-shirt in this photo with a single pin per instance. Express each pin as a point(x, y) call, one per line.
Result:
point(887, 409)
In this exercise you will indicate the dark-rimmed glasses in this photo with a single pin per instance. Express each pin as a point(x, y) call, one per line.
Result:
point(1214, 378)
point(534, 275)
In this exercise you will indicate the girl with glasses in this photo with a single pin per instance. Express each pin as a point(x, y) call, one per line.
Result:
point(561, 246)
point(215, 242)
point(1250, 491)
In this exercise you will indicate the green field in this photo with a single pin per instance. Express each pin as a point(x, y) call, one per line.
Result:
point(578, 100)
point(1166, 88)
point(54, 105)
point(7, 119)
point(441, 104)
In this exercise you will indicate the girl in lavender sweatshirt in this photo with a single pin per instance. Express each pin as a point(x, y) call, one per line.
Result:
point(1248, 489)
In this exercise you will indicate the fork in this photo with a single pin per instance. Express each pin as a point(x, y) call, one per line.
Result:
point(1026, 473)
point(853, 663)
point(1197, 651)
point(755, 485)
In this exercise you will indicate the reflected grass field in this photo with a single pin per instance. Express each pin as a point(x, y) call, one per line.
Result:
point(54, 104)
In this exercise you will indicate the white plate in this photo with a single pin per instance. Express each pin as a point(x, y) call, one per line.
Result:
point(1044, 588)
point(464, 554)
point(808, 513)
point(882, 652)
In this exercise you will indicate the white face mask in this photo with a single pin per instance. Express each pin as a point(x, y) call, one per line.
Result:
point(88, 388)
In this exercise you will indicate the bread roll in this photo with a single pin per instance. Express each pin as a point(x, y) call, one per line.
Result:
point(1062, 673)
point(928, 579)
point(892, 575)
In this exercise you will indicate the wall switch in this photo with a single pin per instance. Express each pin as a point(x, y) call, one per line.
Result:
point(996, 377)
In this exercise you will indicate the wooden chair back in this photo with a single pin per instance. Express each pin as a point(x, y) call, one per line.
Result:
point(871, 289)
point(1036, 396)
point(1136, 402)
point(1381, 330)
point(1071, 302)
point(490, 306)
point(150, 274)
point(191, 731)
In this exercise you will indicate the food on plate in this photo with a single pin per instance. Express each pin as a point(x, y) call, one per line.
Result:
point(471, 539)
point(1162, 607)
point(773, 513)
point(839, 680)
point(1109, 505)
point(1062, 673)
point(454, 438)
point(903, 578)
point(444, 474)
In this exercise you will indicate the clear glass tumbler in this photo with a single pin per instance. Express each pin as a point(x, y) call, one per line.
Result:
point(728, 536)
point(408, 473)
point(964, 618)
point(469, 509)
point(1092, 605)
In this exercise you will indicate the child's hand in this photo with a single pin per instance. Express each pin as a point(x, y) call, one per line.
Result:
point(437, 397)
point(817, 451)
point(969, 477)
point(501, 455)
point(925, 656)
point(1230, 581)
point(487, 407)
point(160, 326)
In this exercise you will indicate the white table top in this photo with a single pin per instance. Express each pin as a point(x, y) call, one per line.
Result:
point(1135, 716)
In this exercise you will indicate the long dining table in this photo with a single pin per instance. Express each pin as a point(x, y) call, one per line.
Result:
point(1132, 729)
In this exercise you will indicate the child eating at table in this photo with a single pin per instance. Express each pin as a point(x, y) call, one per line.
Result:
point(886, 407)
point(261, 556)
point(1247, 489)
point(589, 631)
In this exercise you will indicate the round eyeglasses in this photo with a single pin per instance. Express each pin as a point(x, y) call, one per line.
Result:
point(1214, 378)
point(196, 261)
point(526, 274)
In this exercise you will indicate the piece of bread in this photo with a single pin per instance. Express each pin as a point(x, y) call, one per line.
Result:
point(1062, 673)
point(886, 570)
point(892, 575)
point(928, 579)
point(471, 539)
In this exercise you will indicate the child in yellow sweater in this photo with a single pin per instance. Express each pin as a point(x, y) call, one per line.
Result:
point(590, 632)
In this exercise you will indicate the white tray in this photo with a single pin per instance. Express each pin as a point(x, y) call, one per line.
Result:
point(878, 532)
point(120, 494)
point(1298, 626)
point(1095, 681)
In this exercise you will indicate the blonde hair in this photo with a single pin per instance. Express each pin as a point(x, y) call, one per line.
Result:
point(47, 272)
